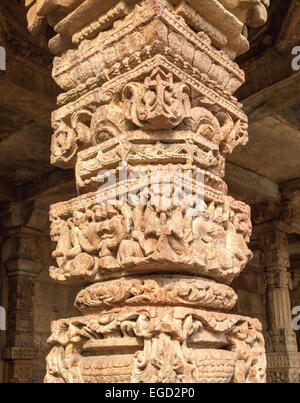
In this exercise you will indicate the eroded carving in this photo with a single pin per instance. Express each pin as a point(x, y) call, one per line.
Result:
point(158, 103)
point(94, 241)
point(144, 88)
point(160, 345)
point(156, 290)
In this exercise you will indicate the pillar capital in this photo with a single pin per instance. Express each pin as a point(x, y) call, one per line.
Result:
point(223, 21)
point(291, 195)
point(295, 270)
point(274, 249)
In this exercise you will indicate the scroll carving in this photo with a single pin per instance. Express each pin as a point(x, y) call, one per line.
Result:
point(69, 138)
point(145, 89)
point(156, 290)
point(166, 345)
point(158, 103)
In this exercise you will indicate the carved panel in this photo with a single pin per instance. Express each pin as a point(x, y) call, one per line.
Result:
point(157, 345)
point(156, 290)
point(97, 242)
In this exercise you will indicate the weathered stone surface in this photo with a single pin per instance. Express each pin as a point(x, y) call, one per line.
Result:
point(156, 290)
point(132, 97)
point(157, 345)
point(274, 221)
point(265, 169)
point(75, 20)
point(97, 242)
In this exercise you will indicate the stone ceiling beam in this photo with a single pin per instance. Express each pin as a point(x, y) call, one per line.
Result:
point(271, 60)
point(289, 35)
point(249, 186)
point(54, 186)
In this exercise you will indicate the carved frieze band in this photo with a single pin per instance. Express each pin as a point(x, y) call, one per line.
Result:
point(157, 345)
point(156, 290)
point(97, 242)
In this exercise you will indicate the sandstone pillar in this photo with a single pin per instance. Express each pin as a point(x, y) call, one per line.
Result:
point(22, 223)
point(282, 351)
point(275, 260)
point(295, 265)
point(147, 118)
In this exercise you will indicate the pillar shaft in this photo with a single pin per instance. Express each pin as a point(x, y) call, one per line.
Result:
point(274, 221)
point(19, 352)
point(147, 118)
point(275, 259)
point(22, 223)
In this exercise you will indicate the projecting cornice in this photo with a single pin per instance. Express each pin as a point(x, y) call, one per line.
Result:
point(224, 21)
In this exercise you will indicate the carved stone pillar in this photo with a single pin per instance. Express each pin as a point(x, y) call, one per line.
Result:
point(23, 223)
point(282, 351)
point(275, 260)
point(148, 108)
point(295, 272)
